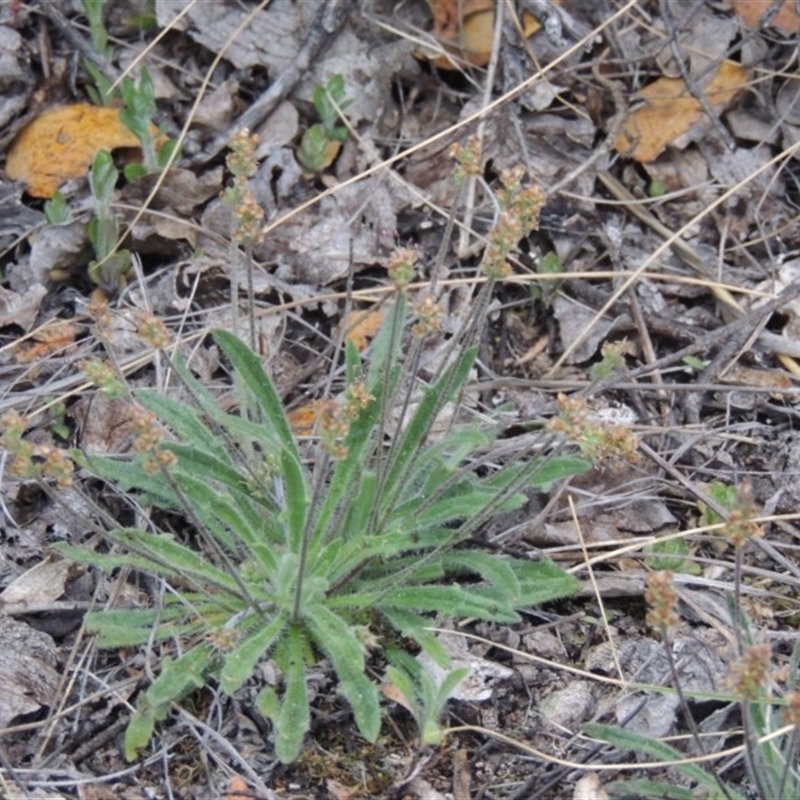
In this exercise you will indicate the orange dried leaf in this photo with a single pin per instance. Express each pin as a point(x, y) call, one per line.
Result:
point(238, 789)
point(669, 111)
point(466, 30)
point(360, 326)
point(56, 336)
point(303, 418)
point(450, 15)
point(751, 12)
point(61, 144)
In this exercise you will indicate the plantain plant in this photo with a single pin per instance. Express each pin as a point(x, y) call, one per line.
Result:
point(301, 559)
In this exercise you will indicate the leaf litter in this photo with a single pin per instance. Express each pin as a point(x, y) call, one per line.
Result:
point(682, 108)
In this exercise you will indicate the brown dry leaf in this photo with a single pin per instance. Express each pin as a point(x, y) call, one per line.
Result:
point(589, 788)
point(42, 583)
point(21, 308)
point(785, 20)
point(61, 144)
point(53, 337)
point(767, 379)
point(360, 326)
point(466, 29)
point(238, 789)
point(669, 111)
point(303, 418)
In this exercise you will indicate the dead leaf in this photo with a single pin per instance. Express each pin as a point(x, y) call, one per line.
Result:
point(61, 144)
point(28, 676)
point(303, 418)
point(751, 12)
point(42, 583)
point(21, 308)
point(360, 326)
point(669, 111)
point(54, 336)
point(466, 30)
point(238, 789)
point(589, 788)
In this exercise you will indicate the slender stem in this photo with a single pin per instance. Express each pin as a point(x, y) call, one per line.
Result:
point(251, 302)
point(789, 759)
point(687, 712)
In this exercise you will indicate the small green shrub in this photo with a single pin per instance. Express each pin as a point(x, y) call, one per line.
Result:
point(301, 563)
point(137, 116)
point(321, 142)
point(110, 264)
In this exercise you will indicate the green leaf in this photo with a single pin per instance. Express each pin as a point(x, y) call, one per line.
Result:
point(93, 9)
point(449, 684)
point(550, 264)
point(129, 475)
point(434, 399)
point(103, 91)
point(346, 482)
point(435, 699)
point(297, 499)
point(694, 363)
point(268, 703)
point(124, 627)
point(109, 273)
point(109, 562)
point(134, 172)
point(557, 468)
point(248, 366)
point(449, 601)
point(643, 788)
point(416, 628)
point(337, 640)
point(204, 464)
point(386, 350)
point(403, 681)
point(103, 177)
point(490, 567)
point(178, 678)
point(165, 153)
point(542, 581)
point(629, 740)
point(327, 98)
point(139, 731)
point(172, 558)
point(294, 718)
point(670, 554)
point(360, 507)
point(240, 663)
point(103, 233)
point(466, 504)
point(314, 153)
point(57, 210)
